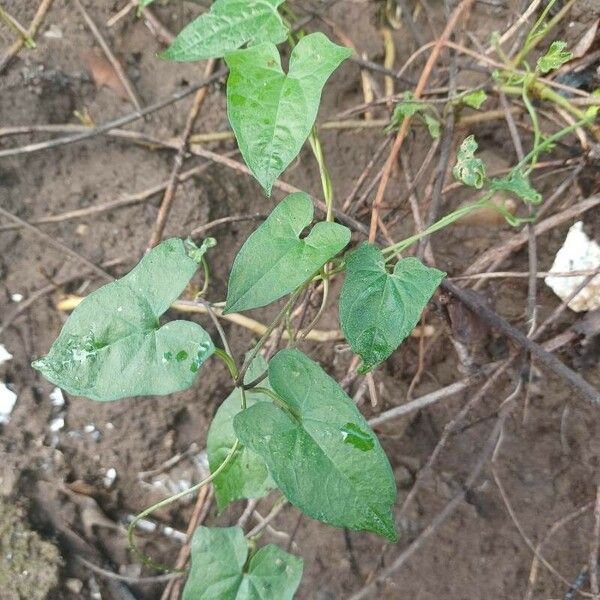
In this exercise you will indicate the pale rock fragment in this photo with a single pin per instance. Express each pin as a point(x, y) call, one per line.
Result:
point(578, 253)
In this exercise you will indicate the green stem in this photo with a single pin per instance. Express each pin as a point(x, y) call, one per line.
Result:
point(549, 141)
point(166, 502)
point(326, 184)
point(535, 37)
point(443, 222)
point(276, 399)
point(239, 380)
point(229, 362)
point(537, 134)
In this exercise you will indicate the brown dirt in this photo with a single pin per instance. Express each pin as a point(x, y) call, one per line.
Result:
point(548, 463)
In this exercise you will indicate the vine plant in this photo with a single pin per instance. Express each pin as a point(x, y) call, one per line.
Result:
point(286, 424)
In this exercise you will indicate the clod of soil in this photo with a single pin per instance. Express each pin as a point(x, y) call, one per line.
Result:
point(29, 565)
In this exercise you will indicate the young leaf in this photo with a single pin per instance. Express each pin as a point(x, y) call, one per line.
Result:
point(517, 183)
point(219, 569)
point(113, 346)
point(272, 113)
point(407, 107)
point(274, 261)
point(474, 99)
point(378, 310)
point(433, 126)
point(246, 476)
point(227, 26)
point(554, 58)
point(319, 448)
point(468, 169)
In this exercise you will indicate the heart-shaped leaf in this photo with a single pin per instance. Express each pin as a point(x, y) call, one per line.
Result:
point(113, 346)
point(227, 26)
point(274, 260)
point(219, 569)
point(378, 310)
point(272, 113)
point(246, 476)
point(319, 448)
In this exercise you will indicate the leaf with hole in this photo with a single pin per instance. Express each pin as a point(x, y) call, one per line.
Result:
point(227, 26)
point(221, 569)
point(113, 345)
point(246, 476)
point(274, 260)
point(319, 449)
point(379, 309)
point(517, 183)
point(271, 112)
point(468, 169)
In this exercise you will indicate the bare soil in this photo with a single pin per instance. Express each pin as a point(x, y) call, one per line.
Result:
point(548, 460)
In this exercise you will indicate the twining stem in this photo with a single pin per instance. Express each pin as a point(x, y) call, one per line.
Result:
point(239, 380)
point(317, 149)
point(229, 362)
point(327, 186)
point(166, 502)
point(537, 134)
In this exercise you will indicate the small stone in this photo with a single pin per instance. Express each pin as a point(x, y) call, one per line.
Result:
point(57, 398)
point(74, 585)
point(8, 400)
point(57, 424)
point(5, 355)
point(109, 478)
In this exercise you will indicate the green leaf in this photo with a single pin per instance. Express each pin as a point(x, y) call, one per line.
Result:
point(246, 476)
point(554, 58)
point(274, 261)
point(474, 99)
point(227, 26)
point(196, 253)
point(517, 183)
point(272, 113)
point(319, 448)
point(378, 310)
point(407, 107)
point(433, 125)
point(113, 346)
point(219, 570)
point(468, 169)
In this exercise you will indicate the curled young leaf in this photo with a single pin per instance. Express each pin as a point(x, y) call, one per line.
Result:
point(378, 309)
point(319, 448)
point(113, 345)
point(227, 26)
point(274, 261)
point(221, 569)
point(246, 475)
point(468, 169)
point(272, 113)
